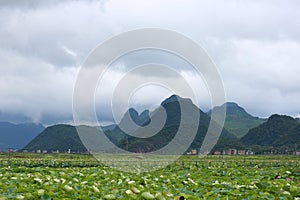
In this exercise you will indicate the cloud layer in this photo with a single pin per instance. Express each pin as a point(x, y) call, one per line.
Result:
point(255, 45)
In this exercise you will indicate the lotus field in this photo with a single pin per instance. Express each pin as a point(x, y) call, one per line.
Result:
point(29, 176)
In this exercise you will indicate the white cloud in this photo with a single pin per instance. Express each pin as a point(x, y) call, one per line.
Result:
point(255, 44)
point(34, 88)
point(263, 75)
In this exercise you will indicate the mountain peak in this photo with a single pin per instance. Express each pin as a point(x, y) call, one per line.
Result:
point(233, 108)
point(276, 117)
point(133, 112)
point(175, 98)
point(140, 119)
point(231, 104)
point(237, 120)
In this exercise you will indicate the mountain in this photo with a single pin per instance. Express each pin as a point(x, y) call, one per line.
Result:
point(16, 136)
point(278, 131)
point(115, 132)
point(109, 127)
point(172, 107)
point(65, 137)
point(57, 137)
point(152, 131)
point(238, 121)
point(132, 115)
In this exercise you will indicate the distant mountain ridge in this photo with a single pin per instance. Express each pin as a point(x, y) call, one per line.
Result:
point(16, 136)
point(277, 131)
point(172, 106)
point(238, 121)
point(64, 137)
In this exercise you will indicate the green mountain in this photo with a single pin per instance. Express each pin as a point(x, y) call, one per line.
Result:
point(172, 106)
point(65, 137)
point(16, 136)
point(57, 137)
point(238, 121)
point(142, 119)
point(116, 134)
point(279, 132)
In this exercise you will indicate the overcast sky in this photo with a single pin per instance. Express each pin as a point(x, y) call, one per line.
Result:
point(255, 45)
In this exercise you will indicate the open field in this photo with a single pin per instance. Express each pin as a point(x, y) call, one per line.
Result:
point(70, 176)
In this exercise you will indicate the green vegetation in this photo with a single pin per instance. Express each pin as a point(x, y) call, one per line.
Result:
point(171, 126)
point(212, 177)
point(238, 121)
point(64, 137)
point(279, 134)
point(58, 137)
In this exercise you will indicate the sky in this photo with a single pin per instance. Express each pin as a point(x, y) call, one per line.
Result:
point(255, 45)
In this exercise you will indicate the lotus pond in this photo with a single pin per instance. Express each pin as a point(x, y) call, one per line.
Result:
point(233, 177)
